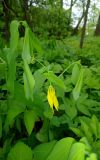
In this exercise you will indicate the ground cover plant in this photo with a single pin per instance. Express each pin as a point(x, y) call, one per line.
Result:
point(49, 98)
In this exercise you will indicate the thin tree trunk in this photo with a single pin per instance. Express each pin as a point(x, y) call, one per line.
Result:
point(26, 13)
point(75, 31)
point(84, 24)
point(72, 3)
point(97, 30)
point(61, 4)
point(70, 12)
point(6, 19)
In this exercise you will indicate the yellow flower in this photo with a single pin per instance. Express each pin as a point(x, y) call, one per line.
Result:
point(52, 99)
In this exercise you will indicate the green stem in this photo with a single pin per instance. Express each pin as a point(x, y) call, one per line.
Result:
point(68, 68)
point(40, 63)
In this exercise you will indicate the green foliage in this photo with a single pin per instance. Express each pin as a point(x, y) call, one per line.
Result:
point(66, 149)
point(29, 119)
point(20, 151)
point(50, 22)
point(27, 68)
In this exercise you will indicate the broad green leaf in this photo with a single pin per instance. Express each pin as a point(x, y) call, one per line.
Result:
point(48, 113)
point(75, 73)
point(20, 151)
point(56, 80)
point(14, 35)
point(29, 120)
point(12, 113)
point(42, 151)
point(92, 156)
point(78, 86)
point(61, 149)
point(39, 80)
point(26, 55)
point(77, 152)
point(29, 81)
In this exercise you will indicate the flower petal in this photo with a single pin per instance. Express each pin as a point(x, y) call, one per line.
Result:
point(55, 102)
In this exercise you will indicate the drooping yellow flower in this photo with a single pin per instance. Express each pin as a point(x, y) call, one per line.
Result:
point(52, 99)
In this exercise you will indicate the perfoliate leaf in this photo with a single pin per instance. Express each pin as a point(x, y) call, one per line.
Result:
point(20, 152)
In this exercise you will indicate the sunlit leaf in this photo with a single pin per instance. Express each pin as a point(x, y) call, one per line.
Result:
point(20, 151)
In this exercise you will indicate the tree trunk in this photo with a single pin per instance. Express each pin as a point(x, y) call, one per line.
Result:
point(84, 24)
point(26, 12)
point(6, 20)
point(72, 3)
point(75, 30)
point(97, 30)
point(61, 4)
point(70, 12)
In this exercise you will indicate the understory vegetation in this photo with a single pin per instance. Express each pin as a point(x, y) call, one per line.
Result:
point(49, 88)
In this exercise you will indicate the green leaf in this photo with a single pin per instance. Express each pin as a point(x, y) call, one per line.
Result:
point(20, 152)
point(42, 151)
point(77, 152)
point(11, 58)
point(42, 135)
point(61, 149)
point(92, 156)
point(26, 55)
point(56, 80)
point(77, 89)
point(75, 73)
point(94, 125)
point(71, 111)
point(2, 68)
point(12, 113)
point(29, 120)
point(14, 35)
point(0, 126)
point(39, 80)
point(35, 42)
point(86, 129)
point(77, 131)
point(29, 81)
point(83, 109)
